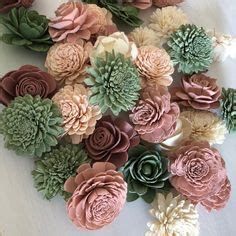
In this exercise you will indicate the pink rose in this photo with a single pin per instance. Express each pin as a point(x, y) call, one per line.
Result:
point(141, 4)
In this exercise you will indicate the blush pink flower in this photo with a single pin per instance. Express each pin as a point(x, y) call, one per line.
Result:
point(198, 172)
point(98, 195)
point(141, 4)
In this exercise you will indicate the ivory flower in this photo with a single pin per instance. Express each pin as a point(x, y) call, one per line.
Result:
point(174, 216)
point(167, 20)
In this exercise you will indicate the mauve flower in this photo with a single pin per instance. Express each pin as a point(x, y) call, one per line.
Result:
point(198, 172)
point(99, 194)
point(7, 5)
point(26, 80)
point(198, 91)
point(111, 141)
point(141, 4)
point(165, 3)
point(155, 117)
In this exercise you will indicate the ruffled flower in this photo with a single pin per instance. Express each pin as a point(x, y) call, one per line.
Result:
point(99, 194)
point(154, 116)
point(205, 126)
point(167, 20)
point(154, 65)
point(141, 4)
point(79, 117)
point(111, 141)
point(67, 61)
point(198, 91)
point(7, 5)
point(174, 216)
point(198, 172)
point(26, 80)
point(166, 3)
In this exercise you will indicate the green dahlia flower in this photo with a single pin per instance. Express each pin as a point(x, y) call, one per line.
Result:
point(115, 83)
point(191, 48)
point(56, 167)
point(145, 172)
point(26, 28)
point(228, 106)
point(30, 125)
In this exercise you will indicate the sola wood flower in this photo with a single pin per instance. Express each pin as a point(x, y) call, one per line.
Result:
point(79, 117)
point(166, 21)
point(55, 167)
point(165, 3)
point(145, 172)
point(31, 125)
point(198, 172)
point(141, 4)
point(154, 117)
point(205, 126)
point(99, 194)
point(6, 5)
point(26, 80)
point(198, 91)
point(67, 61)
point(174, 216)
point(111, 141)
point(154, 65)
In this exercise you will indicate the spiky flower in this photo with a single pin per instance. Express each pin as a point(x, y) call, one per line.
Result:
point(56, 167)
point(27, 28)
point(191, 48)
point(30, 125)
point(114, 82)
point(228, 106)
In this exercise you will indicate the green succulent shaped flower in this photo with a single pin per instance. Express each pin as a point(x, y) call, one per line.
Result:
point(146, 171)
point(26, 28)
point(30, 125)
point(191, 48)
point(114, 82)
point(56, 167)
point(228, 107)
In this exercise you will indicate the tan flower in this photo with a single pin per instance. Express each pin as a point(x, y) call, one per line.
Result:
point(67, 61)
point(79, 117)
point(167, 20)
point(174, 216)
point(154, 65)
point(206, 126)
point(143, 36)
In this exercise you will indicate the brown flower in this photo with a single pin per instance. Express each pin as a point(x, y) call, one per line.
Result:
point(165, 3)
point(111, 141)
point(7, 5)
point(99, 194)
point(141, 4)
point(198, 91)
point(154, 117)
point(26, 80)
point(67, 61)
point(154, 65)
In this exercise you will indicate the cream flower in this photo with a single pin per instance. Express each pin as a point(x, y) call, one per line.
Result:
point(67, 61)
point(206, 126)
point(79, 117)
point(117, 42)
point(167, 20)
point(143, 36)
point(175, 216)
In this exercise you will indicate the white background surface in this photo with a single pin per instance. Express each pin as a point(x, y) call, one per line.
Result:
point(23, 212)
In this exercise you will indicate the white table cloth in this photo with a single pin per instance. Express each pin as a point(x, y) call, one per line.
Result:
point(23, 211)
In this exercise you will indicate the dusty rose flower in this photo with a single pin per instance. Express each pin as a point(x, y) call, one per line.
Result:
point(165, 3)
point(67, 61)
point(111, 141)
point(154, 65)
point(141, 4)
point(79, 117)
point(198, 91)
point(26, 80)
point(155, 117)
point(99, 194)
point(198, 172)
point(7, 5)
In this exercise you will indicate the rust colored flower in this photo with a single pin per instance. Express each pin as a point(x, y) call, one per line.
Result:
point(7, 5)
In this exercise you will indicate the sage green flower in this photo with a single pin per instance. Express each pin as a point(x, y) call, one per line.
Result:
point(26, 28)
point(114, 82)
point(56, 167)
point(191, 49)
point(31, 125)
point(145, 172)
point(228, 107)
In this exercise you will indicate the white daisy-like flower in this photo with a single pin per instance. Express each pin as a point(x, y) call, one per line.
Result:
point(174, 216)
